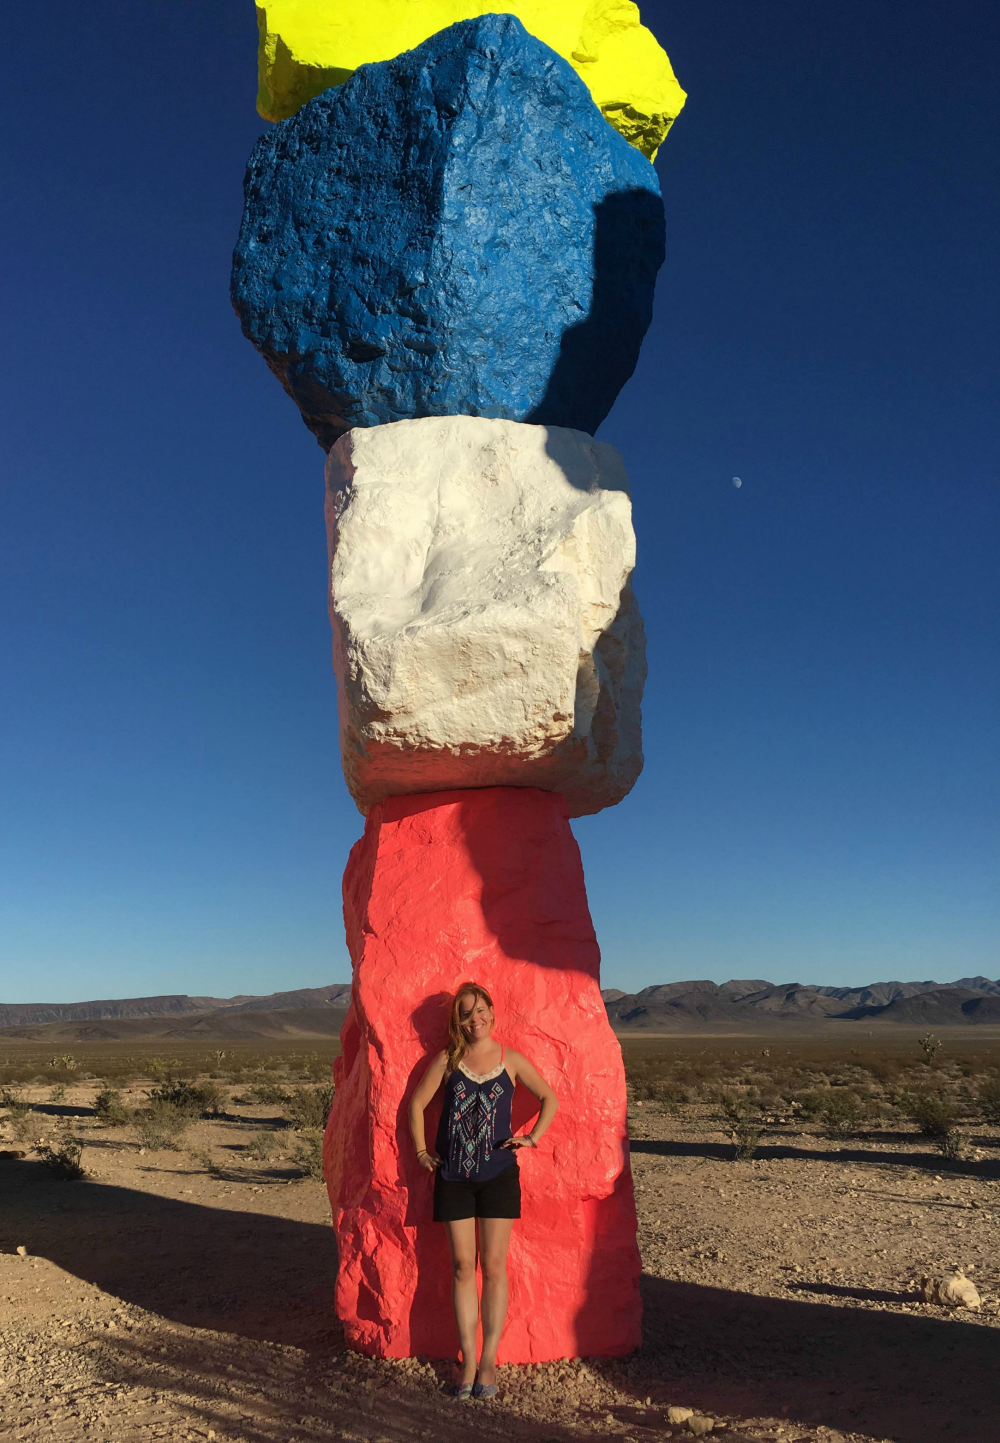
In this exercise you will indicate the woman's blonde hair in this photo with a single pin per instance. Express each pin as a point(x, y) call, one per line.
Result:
point(457, 1042)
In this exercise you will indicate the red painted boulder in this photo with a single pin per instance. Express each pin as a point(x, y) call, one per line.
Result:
point(484, 885)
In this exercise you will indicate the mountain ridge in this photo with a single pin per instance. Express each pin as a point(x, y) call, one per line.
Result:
point(19, 1014)
point(970, 1000)
point(665, 1006)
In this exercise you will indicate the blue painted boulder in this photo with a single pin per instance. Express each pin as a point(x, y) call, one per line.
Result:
point(456, 231)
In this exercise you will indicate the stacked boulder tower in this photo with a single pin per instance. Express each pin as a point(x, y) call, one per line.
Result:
point(448, 253)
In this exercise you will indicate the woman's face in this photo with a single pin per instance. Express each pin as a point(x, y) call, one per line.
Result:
point(475, 1018)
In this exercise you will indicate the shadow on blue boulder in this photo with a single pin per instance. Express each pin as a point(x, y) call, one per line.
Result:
point(456, 231)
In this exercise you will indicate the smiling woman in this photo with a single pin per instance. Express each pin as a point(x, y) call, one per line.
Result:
point(477, 1179)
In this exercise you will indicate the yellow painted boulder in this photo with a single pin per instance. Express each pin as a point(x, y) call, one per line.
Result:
point(308, 45)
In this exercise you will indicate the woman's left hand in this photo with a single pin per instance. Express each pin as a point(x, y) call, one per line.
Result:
point(515, 1142)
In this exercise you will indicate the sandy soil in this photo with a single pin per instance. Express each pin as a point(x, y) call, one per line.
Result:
point(159, 1301)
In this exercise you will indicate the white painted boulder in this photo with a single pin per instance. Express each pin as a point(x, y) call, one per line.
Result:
point(484, 628)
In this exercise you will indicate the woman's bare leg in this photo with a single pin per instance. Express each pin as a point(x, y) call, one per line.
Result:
point(494, 1237)
point(465, 1297)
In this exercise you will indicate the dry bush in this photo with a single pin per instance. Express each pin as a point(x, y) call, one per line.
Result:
point(316, 1068)
point(264, 1146)
point(63, 1158)
point(124, 1070)
point(263, 1089)
point(13, 1101)
point(309, 1106)
point(810, 1103)
point(843, 1112)
point(308, 1155)
point(935, 1113)
point(28, 1128)
point(161, 1126)
point(988, 1099)
point(952, 1145)
point(741, 1114)
point(203, 1158)
point(12, 1073)
point(193, 1100)
point(110, 1110)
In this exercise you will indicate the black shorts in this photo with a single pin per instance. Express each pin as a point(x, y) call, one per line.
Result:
point(497, 1197)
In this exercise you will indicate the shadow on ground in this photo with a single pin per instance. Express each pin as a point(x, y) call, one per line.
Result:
point(852, 1369)
point(257, 1276)
point(270, 1280)
point(931, 1162)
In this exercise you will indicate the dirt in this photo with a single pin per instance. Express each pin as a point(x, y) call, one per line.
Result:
point(159, 1300)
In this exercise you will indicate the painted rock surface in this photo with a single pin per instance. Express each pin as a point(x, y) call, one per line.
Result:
point(485, 632)
point(485, 885)
point(457, 231)
point(308, 45)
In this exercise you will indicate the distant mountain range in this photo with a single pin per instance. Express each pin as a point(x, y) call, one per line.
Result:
point(669, 1007)
point(687, 1005)
point(307, 1011)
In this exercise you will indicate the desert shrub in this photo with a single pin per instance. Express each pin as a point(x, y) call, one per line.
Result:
point(28, 1127)
point(63, 1158)
point(885, 1070)
point(213, 1099)
point(811, 1102)
point(14, 1072)
point(309, 1106)
point(263, 1146)
point(316, 1068)
point(161, 1125)
point(158, 1067)
point(120, 1069)
point(58, 1093)
point(988, 1099)
point(308, 1155)
point(190, 1099)
point(952, 1145)
point(740, 1113)
point(111, 1111)
point(13, 1100)
point(263, 1089)
point(843, 1112)
point(203, 1158)
point(935, 1113)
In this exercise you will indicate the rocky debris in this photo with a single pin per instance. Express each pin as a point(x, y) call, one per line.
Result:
point(953, 1290)
point(699, 1426)
point(485, 632)
point(456, 231)
point(22, 1251)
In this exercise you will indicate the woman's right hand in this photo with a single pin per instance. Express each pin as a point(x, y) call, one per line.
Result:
point(429, 1160)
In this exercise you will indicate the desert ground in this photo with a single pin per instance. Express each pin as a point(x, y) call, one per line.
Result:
point(185, 1291)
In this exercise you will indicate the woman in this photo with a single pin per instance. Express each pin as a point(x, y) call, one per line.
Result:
point(474, 1161)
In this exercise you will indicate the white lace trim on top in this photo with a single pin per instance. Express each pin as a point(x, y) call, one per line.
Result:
point(483, 1076)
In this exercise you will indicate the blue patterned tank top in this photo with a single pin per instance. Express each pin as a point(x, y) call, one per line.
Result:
point(475, 1120)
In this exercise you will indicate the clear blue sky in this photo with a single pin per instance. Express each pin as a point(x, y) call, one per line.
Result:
point(820, 795)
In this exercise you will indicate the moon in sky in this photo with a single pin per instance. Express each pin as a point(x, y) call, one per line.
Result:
point(737, 482)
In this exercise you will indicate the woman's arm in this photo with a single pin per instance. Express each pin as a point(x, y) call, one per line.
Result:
point(532, 1079)
point(426, 1088)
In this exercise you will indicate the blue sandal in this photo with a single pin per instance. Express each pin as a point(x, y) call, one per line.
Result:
point(484, 1390)
point(462, 1391)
